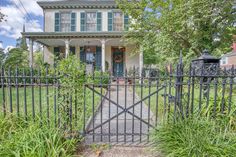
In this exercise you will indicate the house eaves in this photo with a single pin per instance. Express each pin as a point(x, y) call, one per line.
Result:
point(78, 4)
point(56, 35)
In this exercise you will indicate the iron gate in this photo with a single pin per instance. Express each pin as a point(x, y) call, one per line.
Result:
point(122, 109)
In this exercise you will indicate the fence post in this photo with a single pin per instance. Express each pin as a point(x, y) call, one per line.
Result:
point(3, 92)
point(179, 87)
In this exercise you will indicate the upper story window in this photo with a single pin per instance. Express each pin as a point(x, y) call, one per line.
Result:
point(65, 22)
point(117, 21)
point(91, 21)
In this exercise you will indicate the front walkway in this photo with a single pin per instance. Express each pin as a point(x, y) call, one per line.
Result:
point(126, 129)
point(117, 151)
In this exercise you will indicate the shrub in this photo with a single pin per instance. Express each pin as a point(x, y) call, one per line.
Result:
point(195, 137)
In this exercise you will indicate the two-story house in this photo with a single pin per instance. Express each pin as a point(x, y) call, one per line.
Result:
point(228, 60)
point(90, 29)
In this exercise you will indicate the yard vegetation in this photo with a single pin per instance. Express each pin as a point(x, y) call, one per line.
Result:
point(208, 131)
point(46, 120)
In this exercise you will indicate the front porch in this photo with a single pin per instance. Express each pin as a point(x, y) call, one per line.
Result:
point(106, 52)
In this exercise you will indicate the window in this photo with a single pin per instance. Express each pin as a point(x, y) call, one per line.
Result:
point(224, 60)
point(117, 21)
point(89, 57)
point(65, 22)
point(91, 21)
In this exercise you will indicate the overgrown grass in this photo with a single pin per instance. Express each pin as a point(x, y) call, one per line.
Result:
point(18, 138)
point(196, 137)
point(48, 101)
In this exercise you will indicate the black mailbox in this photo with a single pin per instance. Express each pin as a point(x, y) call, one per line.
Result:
point(206, 64)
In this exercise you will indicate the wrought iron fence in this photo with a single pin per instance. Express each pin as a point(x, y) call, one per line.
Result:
point(169, 95)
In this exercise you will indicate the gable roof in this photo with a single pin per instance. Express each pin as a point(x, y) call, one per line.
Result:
point(85, 4)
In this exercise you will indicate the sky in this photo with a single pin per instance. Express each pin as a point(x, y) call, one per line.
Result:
point(19, 12)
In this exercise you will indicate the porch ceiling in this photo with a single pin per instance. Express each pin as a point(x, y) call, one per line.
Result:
point(76, 38)
point(61, 35)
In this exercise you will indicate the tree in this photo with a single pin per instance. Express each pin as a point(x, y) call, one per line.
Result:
point(2, 57)
point(16, 57)
point(21, 43)
point(164, 28)
point(2, 16)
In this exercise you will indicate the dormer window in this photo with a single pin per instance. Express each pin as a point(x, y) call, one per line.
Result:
point(65, 22)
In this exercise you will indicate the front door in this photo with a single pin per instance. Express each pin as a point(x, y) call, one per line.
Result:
point(118, 63)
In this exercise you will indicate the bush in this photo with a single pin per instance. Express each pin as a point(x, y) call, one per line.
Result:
point(195, 137)
point(17, 138)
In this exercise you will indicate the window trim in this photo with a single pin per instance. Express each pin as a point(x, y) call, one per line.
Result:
point(123, 20)
point(86, 30)
point(60, 24)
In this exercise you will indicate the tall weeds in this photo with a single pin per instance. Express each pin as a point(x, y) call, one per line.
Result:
point(18, 138)
point(196, 137)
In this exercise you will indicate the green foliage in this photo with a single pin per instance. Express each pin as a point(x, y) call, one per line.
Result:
point(101, 78)
point(195, 137)
point(164, 28)
point(72, 71)
point(16, 57)
point(38, 60)
point(2, 57)
point(21, 43)
point(17, 138)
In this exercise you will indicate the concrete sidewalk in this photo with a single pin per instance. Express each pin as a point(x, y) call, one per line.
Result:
point(135, 131)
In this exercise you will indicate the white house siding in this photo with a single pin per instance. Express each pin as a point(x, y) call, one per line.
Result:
point(50, 18)
point(48, 55)
point(132, 58)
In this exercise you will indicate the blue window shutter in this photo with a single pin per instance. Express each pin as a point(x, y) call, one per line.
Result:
point(73, 22)
point(126, 22)
point(110, 21)
point(99, 21)
point(82, 54)
point(57, 22)
point(98, 57)
point(82, 22)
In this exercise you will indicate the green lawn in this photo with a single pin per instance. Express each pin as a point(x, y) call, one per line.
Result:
point(163, 105)
point(51, 100)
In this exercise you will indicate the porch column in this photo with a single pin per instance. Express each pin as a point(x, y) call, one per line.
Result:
point(140, 61)
point(31, 56)
point(67, 47)
point(103, 55)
